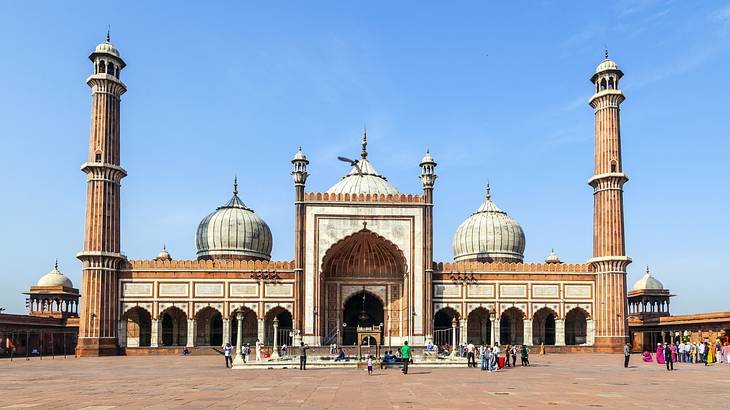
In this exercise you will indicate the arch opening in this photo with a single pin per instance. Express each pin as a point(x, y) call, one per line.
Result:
point(512, 327)
point(139, 327)
point(543, 327)
point(479, 327)
point(284, 328)
point(442, 327)
point(361, 309)
point(576, 327)
point(249, 328)
point(174, 327)
point(209, 324)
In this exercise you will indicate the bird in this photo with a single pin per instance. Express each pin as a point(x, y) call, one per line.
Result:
point(352, 163)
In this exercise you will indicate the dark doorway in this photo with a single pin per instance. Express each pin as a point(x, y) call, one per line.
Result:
point(362, 309)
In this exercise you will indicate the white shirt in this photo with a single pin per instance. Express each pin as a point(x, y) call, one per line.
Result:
point(470, 348)
point(701, 348)
point(496, 350)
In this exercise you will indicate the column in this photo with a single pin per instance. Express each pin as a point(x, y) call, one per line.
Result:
point(122, 333)
point(226, 331)
point(527, 332)
point(559, 332)
point(591, 333)
point(274, 352)
point(495, 330)
point(155, 336)
point(191, 333)
point(261, 331)
point(238, 360)
point(454, 344)
point(462, 331)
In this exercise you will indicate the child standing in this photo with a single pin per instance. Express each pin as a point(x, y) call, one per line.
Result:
point(370, 365)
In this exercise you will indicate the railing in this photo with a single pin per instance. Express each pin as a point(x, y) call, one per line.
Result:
point(332, 337)
point(443, 336)
point(37, 343)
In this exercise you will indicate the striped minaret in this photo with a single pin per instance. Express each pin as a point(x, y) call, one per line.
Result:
point(609, 252)
point(101, 257)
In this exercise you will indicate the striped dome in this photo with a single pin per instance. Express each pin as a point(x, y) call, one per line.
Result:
point(233, 231)
point(489, 234)
point(364, 180)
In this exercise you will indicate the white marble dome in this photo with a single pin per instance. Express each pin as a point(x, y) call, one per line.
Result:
point(648, 282)
point(606, 64)
point(233, 231)
point(366, 180)
point(489, 234)
point(55, 278)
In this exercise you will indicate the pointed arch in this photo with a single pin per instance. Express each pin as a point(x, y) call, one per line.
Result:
point(364, 253)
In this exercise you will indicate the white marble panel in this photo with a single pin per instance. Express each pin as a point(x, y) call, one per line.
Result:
point(279, 290)
point(480, 291)
point(208, 289)
point(446, 291)
point(243, 289)
point(173, 289)
point(545, 291)
point(136, 289)
point(513, 291)
point(577, 291)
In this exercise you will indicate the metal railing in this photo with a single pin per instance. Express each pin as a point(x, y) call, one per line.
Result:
point(29, 344)
point(443, 336)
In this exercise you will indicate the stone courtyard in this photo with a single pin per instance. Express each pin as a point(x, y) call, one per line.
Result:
point(558, 380)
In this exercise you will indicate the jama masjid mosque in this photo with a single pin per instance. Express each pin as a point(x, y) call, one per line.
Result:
point(363, 258)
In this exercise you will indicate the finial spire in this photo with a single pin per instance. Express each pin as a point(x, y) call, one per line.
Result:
point(364, 153)
point(489, 193)
point(108, 31)
point(647, 269)
point(235, 185)
point(605, 52)
point(56, 265)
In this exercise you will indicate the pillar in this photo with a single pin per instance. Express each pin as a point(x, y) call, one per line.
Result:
point(590, 333)
point(155, 333)
point(559, 332)
point(274, 352)
point(226, 331)
point(191, 333)
point(122, 333)
point(261, 329)
point(238, 360)
point(462, 331)
point(527, 332)
point(454, 343)
point(495, 330)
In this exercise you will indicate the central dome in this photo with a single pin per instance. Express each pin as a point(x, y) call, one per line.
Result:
point(233, 231)
point(363, 178)
point(489, 235)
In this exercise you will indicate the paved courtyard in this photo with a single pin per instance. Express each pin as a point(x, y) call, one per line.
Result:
point(559, 380)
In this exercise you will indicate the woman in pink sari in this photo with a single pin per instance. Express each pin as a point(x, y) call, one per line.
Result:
point(674, 353)
point(660, 354)
point(647, 357)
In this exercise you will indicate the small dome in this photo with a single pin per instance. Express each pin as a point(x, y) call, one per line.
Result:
point(648, 282)
point(363, 178)
point(164, 255)
point(107, 47)
point(55, 278)
point(553, 257)
point(489, 234)
point(233, 231)
point(299, 156)
point(606, 64)
point(427, 159)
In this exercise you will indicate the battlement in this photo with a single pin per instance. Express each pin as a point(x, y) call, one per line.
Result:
point(216, 264)
point(476, 267)
point(381, 198)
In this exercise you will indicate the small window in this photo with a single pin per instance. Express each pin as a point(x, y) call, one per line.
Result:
point(98, 157)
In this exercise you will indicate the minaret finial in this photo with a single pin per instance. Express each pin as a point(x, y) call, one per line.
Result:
point(647, 269)
point(108, 32)
point(605, 52)
point(235, 185)
point(489, 192)
point(56, 265)
point(364, 153)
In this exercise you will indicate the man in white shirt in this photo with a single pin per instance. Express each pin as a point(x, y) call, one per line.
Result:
point(680, 352)
point(471, 362)
point(496, 351)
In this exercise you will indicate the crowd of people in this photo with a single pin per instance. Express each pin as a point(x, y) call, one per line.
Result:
point(705, 352)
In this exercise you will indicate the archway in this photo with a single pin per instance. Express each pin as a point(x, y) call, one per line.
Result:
point(174, 327)
point(210, 327)
point(361, 309)
point(285, 326)
point(250, 329)
point(543, 327)
point(139, 327)
point(479, 327)
point(512, 327)
point(442, 327)
point(576, 327)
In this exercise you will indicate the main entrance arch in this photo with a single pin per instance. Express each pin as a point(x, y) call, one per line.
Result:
point(363, 278)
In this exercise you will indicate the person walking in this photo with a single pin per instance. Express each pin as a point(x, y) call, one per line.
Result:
point(303, 356)
point(496, 352)
point(627, 354)
point(227, 354)
point(668, 357)
point(506, 355)
point(370, 365)
point(405, 353)
point(258, 350)
point(513, 353)
point(470, 361)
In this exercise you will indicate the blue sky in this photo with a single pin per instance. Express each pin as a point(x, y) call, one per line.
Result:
point(496, 90)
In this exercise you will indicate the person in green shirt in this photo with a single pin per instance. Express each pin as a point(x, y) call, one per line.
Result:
point(405, 353)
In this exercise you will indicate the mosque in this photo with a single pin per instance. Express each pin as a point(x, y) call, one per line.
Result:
point(363, 259)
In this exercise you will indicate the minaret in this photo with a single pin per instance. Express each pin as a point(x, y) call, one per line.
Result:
point(299, 173)
point(609, 252)
point(428, 179)
point(101, 257)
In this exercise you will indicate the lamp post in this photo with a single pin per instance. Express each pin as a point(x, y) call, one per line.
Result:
point(238, 360)
point(275, 353)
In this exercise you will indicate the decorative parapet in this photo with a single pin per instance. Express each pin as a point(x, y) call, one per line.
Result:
point(217, 264)
point(476, 267)
point(391, 199)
